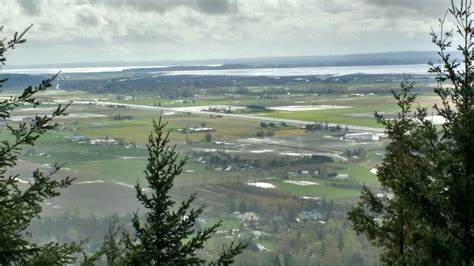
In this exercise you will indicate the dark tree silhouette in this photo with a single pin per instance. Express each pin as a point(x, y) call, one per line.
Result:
point(19, 206)
point(427, 175)
point(167, 236)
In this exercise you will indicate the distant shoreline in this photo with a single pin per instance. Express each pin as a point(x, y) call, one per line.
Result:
point(240, 70)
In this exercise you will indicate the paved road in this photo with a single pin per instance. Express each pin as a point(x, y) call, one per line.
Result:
point(249, 117)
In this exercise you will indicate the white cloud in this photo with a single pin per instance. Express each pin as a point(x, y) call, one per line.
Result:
point(191, 29)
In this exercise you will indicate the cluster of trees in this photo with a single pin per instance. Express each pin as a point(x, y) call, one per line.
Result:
point(265, 133)
point(159, 239)
point(265, 125)
point(20, 81)
point(224, 160)
point(332, 243)
point(324, 127)
point(208, 137)
point(308, 243)
point(120, 117)
point(221, 159)
point(312, 162)
point(173, 87)
point(359, 152)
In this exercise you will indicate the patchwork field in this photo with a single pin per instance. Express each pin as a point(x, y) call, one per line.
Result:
point(346, 110)
point(280, 162)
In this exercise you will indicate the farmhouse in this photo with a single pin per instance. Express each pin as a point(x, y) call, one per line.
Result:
point(78, 138)
point(195, 129)
point(248, 217)
point(102, 141)
point(342, 176)
point(309, 216)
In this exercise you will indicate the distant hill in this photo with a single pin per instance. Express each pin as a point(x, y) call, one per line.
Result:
point(17, 81)
point(393, 58)
point(21, 81)
point(389, 58)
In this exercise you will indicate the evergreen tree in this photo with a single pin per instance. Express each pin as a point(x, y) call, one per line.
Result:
point(168, 235)
point(208, 137)
point(18, 206)
point(390, 219)
point(112, 247)
point(427, 212)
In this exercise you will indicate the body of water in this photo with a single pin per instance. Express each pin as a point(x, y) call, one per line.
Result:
point(307, 71)
point(418, 69)
point(38, 71)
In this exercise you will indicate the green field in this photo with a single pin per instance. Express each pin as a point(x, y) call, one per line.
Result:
point(115, 163)
point(360, 113)
point(359, 172)
point(124, 165)
point(137, 129)
point(228, 223)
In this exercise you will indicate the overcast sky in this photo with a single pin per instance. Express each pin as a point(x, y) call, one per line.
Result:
point(145, 30)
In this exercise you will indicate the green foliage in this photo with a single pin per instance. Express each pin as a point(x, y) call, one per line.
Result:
point(426, 215)
point(390, 220)
point(112, 247)
point(19, 206)
point(168, 235)
point(208, 137)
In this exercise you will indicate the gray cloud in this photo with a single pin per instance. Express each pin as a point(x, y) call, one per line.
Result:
point(30, 7)
point(217, 6)
point(420, 7)
point(101, 30)
point(141, 5)
point(88, 19)
point(162, 6)
point(424, 4)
